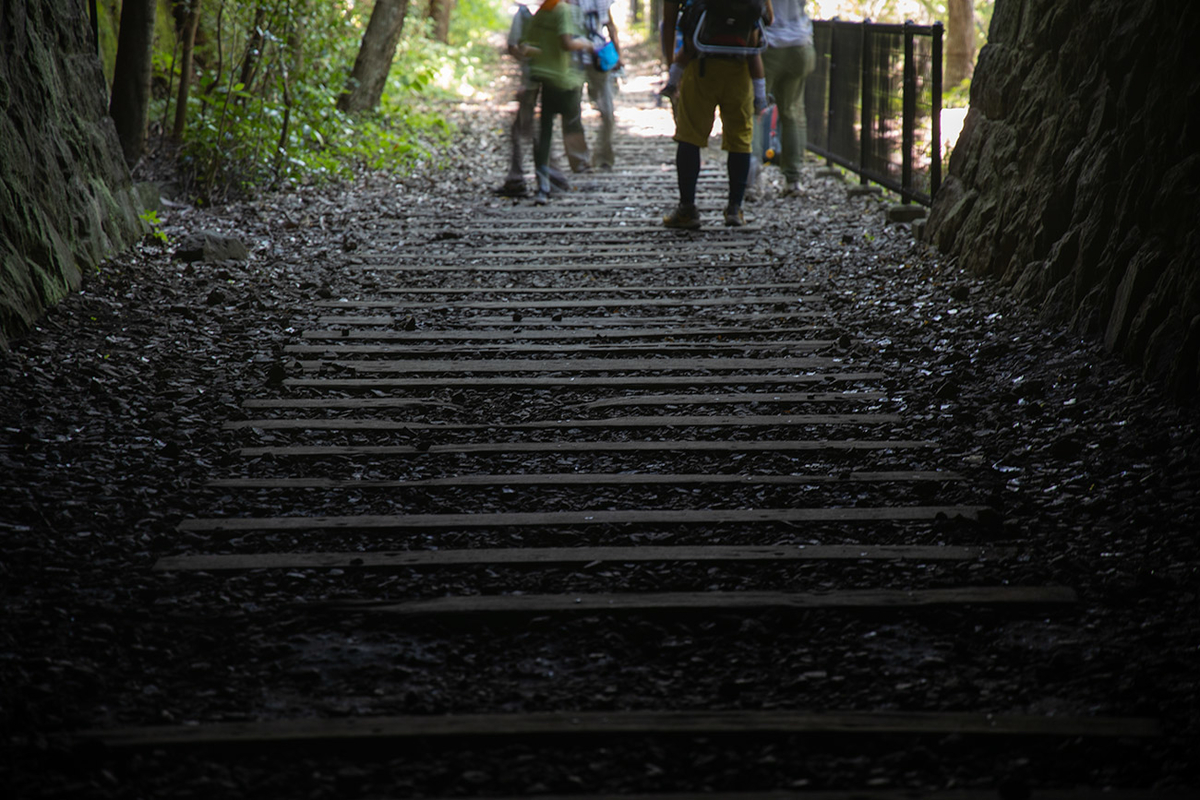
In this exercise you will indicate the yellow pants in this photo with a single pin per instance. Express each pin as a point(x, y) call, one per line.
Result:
point(725, 85)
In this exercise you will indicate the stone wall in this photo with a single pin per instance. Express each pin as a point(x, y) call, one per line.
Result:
point(1076, 179)
point(66, 199)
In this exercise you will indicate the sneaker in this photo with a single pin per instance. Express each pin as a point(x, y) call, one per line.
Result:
point(792, 189)
point(670, 91)
point(734, 217)
point(541, 198)
point(684, 217)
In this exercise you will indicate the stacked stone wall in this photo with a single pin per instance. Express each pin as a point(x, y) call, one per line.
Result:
point(1076, 179)
point(66, 198)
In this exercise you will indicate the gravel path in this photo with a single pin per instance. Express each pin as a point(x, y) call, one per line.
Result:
point(111, 424)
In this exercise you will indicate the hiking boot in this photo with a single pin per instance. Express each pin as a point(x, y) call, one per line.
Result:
point(753, 189)
point(685, 217)
point(734, 217)
point(541, 198)
point(792, 189)
point(513, 188)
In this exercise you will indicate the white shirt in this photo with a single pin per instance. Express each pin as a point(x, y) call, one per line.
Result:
point(593, 16)
point(792, 27)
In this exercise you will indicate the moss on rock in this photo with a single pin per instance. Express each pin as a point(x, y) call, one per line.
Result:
point(66, 197)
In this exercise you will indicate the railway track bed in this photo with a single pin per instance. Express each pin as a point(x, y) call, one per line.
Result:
point(553, 502)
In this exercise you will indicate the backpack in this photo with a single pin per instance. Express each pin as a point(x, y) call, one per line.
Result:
point(723, 28)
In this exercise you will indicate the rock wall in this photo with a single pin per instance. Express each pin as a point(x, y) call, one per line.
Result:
point(66, 198)
point(1075, 179)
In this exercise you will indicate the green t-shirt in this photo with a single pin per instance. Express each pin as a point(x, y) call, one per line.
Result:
point(553, 65)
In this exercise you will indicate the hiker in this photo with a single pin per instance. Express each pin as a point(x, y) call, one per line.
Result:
point(684, 54)
point(717, 76)
point(790, 58)
point(549, 41)
point(522, 129)
point(595, 16)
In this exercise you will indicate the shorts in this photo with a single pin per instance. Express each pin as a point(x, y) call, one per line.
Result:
point(724, 85)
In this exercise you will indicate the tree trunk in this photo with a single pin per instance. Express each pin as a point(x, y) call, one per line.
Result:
point(131, 78)
point(439, 13)
point(960, 42)
point(185, 69)
point(220, 71)
point(254, 48)
point(369, 75)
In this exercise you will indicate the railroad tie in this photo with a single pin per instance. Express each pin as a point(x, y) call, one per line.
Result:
point(602, 430)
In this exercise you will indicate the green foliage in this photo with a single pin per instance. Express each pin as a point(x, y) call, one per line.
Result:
point(151, 219)
point(957, 96)
point(164, 29)
point(474, 19)
point(426, 67)
point(108, 17)
point(983, 21)
point(282, 127)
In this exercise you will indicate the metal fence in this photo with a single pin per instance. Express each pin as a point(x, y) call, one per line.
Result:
point(874, 103)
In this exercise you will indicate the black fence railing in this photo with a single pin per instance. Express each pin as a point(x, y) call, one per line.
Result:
point(874, 103)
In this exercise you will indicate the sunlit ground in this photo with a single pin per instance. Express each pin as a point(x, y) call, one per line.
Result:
point(638, 115)
point(952, 125)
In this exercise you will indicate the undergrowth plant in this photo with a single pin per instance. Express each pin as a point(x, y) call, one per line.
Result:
point(262, 111)
point(156, 234)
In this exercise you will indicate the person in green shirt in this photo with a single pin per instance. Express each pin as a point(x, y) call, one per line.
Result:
point(550, 40)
